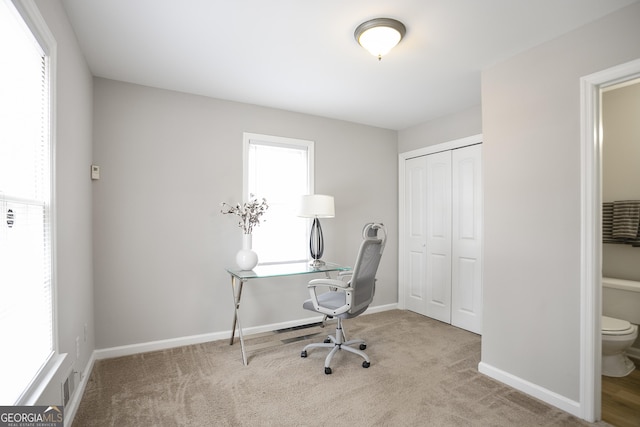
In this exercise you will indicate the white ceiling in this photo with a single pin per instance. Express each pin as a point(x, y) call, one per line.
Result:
point(300, 55)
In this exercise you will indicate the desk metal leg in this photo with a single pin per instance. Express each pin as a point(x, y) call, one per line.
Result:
point(237, 295)
point(236, 304)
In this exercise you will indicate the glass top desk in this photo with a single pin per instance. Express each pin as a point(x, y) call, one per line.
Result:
point(239, 277)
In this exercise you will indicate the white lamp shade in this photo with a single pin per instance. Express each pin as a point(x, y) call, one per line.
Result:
point(380, 40)
point(316, 206)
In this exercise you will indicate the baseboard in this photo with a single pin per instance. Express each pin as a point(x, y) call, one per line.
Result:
point(72, 406)
point(531, 389)
point(127, 350)
point(381, 308)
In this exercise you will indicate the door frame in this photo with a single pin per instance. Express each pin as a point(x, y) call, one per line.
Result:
point(591, 232)
point(402, 241)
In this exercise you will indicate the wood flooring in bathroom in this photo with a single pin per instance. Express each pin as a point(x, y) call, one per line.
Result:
point(621, 399)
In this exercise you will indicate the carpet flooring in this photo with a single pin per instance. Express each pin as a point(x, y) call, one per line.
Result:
point(423, 373)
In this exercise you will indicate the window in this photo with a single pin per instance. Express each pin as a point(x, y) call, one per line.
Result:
point(26, 308)
point(281, 171)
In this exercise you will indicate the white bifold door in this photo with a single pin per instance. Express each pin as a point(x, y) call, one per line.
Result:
point(443, 226)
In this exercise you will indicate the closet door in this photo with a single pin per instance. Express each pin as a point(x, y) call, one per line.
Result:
point(438, 236)
point(415, 227)
point(466, 268)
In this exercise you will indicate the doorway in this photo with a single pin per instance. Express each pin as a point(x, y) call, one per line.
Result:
point(591, 232)
point(621, 181)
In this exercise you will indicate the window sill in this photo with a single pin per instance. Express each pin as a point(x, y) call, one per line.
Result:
point(42, 380)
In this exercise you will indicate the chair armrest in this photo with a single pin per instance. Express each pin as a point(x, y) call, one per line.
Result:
point(331, 283)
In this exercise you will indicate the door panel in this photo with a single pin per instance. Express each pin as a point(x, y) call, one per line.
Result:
point(466, 274)
point(438, 236)
point(415, 220)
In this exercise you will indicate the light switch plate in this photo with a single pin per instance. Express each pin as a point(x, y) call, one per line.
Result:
point(95, 172)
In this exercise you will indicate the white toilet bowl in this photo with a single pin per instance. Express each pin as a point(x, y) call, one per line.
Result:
point(617, 336)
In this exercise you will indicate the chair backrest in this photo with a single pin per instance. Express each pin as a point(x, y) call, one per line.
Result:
point(363, 280)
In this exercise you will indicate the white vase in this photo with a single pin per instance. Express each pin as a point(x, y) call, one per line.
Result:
point(246, 258)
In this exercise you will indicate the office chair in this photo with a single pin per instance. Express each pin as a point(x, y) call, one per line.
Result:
point(349, 295)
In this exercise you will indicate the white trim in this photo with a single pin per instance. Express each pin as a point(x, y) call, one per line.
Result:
point(531, 389)
point(591, 233)
point(42, 379)
point(402, 158)
point(127, 350)
point(445, 146)
point(590, 257)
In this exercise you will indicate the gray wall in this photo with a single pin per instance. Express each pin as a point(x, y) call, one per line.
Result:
point(73, 154)
point(531, 129)
point(444, 129)
point(620, 171)
point(161, 244)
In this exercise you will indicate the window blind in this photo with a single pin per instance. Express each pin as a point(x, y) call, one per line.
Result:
point(26, 311)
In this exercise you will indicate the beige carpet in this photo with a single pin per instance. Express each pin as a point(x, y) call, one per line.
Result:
point(423, 373)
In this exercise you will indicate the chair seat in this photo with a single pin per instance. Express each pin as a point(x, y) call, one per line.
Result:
point(332, 300)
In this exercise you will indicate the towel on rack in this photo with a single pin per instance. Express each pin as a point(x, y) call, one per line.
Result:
point(607, 223)
point(626, 219)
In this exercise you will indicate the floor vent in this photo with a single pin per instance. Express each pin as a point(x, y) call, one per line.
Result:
point(69, 386)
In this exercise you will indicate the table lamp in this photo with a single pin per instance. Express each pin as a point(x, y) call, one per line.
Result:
point(316, 206)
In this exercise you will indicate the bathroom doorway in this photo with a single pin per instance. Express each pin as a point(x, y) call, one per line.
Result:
point(620, 108)
point(591, 232)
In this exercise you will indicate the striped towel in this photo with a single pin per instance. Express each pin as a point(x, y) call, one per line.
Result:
point(607, 223)
point(626, 218)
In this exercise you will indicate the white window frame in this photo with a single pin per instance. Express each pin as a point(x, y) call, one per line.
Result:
point(32, 17)
point(278, 141)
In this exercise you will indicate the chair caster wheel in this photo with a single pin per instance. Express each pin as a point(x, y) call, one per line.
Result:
point(327, 341)
point(366, 364)
point(363, 346)
point(327, 371)
point(303, 354)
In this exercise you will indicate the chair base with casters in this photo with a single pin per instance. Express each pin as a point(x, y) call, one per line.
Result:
point(336, 343)
point(348, 296)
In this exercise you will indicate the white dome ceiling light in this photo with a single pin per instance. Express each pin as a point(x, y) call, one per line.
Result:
point(380, 35)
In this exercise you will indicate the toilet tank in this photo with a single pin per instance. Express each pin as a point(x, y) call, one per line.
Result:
point(621, 299)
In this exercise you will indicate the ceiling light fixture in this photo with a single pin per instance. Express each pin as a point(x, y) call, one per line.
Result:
point(380, 35)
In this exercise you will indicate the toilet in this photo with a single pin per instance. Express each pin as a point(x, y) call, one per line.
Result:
point(617, 336)
point(620, 317)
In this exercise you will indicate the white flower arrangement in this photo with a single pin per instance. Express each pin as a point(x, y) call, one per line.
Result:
point(249, 212)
